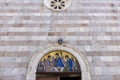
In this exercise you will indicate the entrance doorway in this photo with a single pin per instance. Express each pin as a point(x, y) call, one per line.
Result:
point(58, 65)
point(47, 78)
point(61, 78)
point(58, 76)
point(69, 78)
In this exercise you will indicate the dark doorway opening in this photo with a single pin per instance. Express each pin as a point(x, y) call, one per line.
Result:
point(69, 78)
point(58, 76)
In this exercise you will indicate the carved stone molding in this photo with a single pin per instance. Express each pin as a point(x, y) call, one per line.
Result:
point(32, 67)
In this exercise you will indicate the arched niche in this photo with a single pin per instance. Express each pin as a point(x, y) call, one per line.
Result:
point(58, 61)
point(82, 60)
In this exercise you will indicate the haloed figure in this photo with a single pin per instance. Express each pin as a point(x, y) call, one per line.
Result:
point(58, 62)
point(48, 65)
point(69, 64)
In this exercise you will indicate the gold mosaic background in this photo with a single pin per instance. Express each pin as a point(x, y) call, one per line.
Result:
point(61, 54)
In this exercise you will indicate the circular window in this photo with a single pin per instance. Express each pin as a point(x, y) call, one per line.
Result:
point(57, 5)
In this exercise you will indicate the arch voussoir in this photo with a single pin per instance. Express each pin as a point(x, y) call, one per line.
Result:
point(32, 67)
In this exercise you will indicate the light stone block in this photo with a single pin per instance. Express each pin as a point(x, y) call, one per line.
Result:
point(98, 70)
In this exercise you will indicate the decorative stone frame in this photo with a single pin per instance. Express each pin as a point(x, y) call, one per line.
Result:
point(32, 67)
point(48, 3)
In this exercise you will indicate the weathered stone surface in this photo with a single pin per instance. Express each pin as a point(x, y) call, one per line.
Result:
point(27, 26)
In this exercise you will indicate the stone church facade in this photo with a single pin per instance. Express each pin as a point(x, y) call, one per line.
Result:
point(90, 30)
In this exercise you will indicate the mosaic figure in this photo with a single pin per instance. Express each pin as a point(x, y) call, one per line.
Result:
point(58, 61)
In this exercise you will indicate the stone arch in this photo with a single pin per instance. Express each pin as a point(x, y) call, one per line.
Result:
point(85, 71)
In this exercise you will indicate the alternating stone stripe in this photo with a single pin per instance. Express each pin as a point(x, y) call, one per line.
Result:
point(27, 26)
point(15, 38)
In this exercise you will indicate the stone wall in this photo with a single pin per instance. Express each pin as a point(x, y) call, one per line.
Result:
point(93, 26)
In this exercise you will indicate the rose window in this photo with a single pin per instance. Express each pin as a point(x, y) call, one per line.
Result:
point(57, 4)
